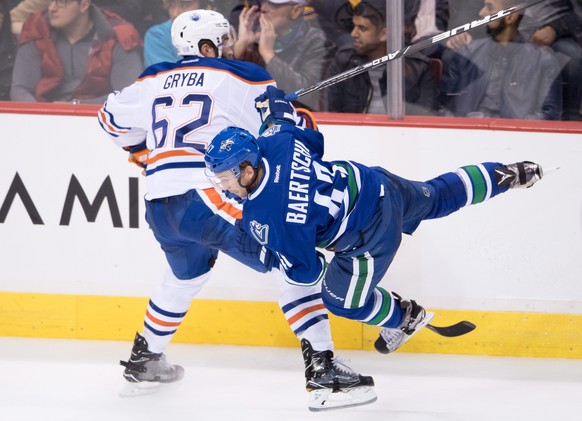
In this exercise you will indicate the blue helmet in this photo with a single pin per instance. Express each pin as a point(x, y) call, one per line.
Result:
point(230, 148)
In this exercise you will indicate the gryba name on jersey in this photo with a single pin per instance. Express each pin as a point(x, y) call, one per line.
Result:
point(179, 80)
point(299, 184)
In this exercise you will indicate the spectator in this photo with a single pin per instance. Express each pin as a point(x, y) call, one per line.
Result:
point(366, 93)
point(295, 53)
point(153, 13)
point(158, 45)
point(430, 18)
point(75, 52)
point(554, 24)
point(330, 14)
point(130, 10)
point(7, 50)
point(502, 75)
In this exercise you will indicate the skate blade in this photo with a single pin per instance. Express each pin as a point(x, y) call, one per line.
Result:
point(326, 399)
point(130, 390)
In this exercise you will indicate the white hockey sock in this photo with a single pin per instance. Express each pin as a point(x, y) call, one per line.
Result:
point(167, 307)
point(305, 312)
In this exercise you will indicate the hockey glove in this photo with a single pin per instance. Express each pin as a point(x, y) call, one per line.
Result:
point(274, 108)
point(138, 154)
point(251, 248)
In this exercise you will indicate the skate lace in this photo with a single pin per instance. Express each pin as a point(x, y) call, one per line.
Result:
point(341, 365)
point(390, 335)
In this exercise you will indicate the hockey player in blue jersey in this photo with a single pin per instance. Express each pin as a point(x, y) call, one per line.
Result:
point(178, 108)
point(297, 202)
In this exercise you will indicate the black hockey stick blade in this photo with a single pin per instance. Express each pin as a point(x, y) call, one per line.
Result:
point(421, 45)
point(458, 329)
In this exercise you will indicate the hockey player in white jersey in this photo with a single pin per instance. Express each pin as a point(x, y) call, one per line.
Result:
point(297, 201)
point(166, 119)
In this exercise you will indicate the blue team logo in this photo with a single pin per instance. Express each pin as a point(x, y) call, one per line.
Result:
point(195, 17)
point(260, 232)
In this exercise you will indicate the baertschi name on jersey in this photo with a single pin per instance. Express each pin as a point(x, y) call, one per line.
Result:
point(299, 184)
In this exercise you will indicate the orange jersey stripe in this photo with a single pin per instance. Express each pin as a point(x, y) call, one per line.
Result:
point(222, 205)
point(304, 312)
point(109, 126)
point(175, 152)
point(161, 322)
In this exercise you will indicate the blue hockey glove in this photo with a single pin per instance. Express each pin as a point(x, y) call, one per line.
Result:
point(274, 108)
point(251, 247)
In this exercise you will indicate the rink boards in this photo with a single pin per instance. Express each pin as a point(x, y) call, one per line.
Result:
point(78, 261)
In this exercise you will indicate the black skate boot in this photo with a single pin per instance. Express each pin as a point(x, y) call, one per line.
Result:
point(145, 366)
point(331, 383)
point(414, 319)
point(519, 175)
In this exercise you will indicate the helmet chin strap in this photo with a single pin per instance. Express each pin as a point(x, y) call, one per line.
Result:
point(252, 185)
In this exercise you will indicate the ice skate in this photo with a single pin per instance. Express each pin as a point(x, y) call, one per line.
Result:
point(331, 383)
point(415, 318)
point(519, 175)
point(145, 370)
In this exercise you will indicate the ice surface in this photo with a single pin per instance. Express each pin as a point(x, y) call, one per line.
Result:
point(64, 380)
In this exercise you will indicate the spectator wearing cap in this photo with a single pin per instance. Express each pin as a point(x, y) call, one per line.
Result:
point(366, 92)
point(295, 53)
point(158, 45)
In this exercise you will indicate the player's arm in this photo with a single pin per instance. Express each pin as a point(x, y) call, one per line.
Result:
point(119, 117)
point(299, 261)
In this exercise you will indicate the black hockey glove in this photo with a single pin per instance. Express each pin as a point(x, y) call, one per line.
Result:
point(251, 247)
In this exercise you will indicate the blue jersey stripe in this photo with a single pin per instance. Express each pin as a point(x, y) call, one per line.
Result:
point(159, 332)
point(112, 119)
point(174, 165)
point(302, 300)
point(248, 71)
point(165, 312)
point(104, 127)
point(310, 323)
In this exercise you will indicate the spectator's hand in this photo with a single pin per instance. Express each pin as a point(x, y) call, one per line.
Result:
point(459, 40)
point(246, 35)
point(544, 37)
point(267, 39)
point(274, 108)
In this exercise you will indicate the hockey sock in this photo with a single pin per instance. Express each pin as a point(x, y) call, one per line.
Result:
point(384, 310)
point(479, 182)
point(167, 308)
point(305, 312)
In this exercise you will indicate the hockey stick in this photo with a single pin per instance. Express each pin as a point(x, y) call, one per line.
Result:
point(409, 50)
point(458, 329)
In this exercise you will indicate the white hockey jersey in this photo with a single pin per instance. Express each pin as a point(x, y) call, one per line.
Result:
point(178, 108)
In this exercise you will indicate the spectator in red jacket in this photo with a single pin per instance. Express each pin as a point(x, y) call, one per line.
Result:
point(75, 52)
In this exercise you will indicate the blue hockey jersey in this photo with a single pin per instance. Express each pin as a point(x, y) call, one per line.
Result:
point(304, 202)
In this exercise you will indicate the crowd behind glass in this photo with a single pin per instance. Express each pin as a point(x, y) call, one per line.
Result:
point(524, 66)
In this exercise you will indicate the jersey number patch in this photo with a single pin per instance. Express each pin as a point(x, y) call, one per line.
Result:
point(160, 124)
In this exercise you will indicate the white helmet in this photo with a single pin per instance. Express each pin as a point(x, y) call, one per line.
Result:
point(189, 28)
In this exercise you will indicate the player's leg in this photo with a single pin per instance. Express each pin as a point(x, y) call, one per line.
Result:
point(189, 269)
point(324, 373)
point(468, 185)
point(350, 287)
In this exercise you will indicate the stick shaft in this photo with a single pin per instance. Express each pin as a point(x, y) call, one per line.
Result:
point(409, 50)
